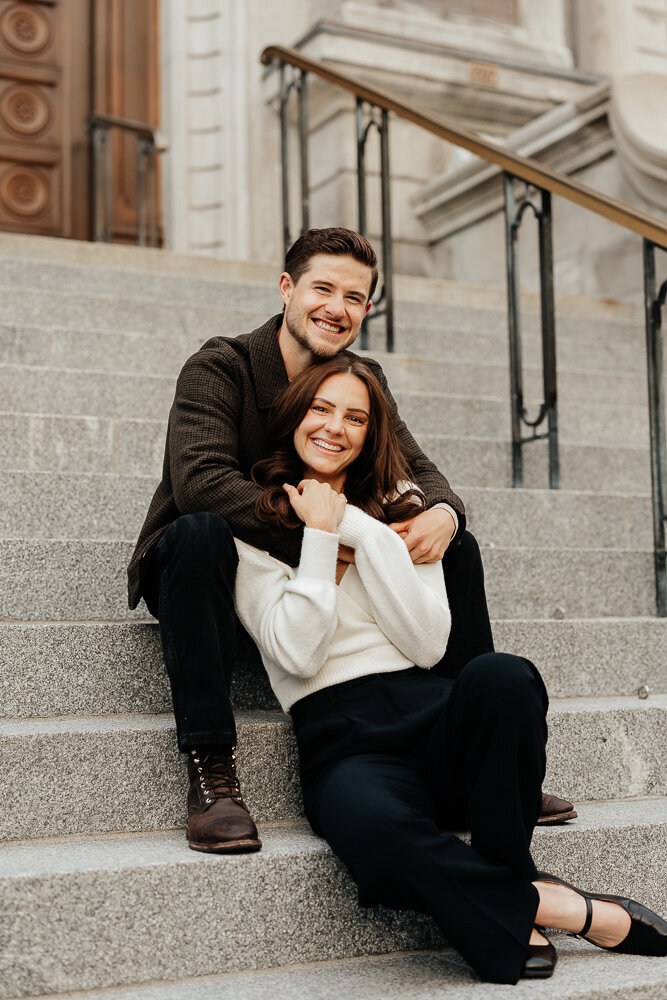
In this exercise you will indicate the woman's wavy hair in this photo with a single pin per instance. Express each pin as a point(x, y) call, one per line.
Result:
point(371, 480)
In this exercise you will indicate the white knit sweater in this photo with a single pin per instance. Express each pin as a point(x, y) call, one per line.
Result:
point(386, 614)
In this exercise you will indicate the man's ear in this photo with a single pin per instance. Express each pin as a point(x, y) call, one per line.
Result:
point(285, 286)
point(369, 306)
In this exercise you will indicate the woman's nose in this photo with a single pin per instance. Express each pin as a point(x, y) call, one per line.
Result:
point(334, 423)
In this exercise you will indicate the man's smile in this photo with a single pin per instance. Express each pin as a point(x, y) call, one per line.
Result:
point(323, 324)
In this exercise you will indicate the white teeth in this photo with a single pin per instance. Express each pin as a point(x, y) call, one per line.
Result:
point(325, 444)
point(329, 327)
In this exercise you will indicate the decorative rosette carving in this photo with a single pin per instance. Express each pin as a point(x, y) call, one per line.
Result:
point(25, 29)
point(24, 110)
point(24, 191)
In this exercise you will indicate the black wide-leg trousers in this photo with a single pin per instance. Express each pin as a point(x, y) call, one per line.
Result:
point(389, 761)
point(187, 580)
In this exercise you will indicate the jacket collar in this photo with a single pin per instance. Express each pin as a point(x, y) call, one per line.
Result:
point(266, 363)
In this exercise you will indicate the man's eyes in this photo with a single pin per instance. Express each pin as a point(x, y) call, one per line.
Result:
point(355, 299)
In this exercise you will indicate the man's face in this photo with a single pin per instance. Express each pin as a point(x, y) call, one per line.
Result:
point(324, 309)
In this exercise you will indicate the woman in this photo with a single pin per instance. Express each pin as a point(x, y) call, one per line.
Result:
point(390, 753)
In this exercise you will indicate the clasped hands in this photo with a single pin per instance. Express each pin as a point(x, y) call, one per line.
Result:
point(427, 535)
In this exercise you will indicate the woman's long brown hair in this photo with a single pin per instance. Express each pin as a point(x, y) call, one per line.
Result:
point(371, 480)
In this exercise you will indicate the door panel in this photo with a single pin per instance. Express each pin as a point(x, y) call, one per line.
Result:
point(125, 83)
point(60, 60)
point(34, 157)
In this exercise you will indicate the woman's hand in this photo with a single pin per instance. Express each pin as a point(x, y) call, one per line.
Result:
point(316, 504)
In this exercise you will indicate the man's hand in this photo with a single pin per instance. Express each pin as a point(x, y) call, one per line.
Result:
point(427, 535)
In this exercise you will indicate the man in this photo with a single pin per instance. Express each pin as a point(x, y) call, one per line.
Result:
point(184, 563)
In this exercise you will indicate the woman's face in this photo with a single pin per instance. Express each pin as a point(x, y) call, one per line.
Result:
point(332, 433)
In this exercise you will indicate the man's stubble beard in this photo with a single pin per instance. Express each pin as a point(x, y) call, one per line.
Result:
point(318, 351)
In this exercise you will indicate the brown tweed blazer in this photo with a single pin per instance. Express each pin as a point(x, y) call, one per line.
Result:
point(218, 430)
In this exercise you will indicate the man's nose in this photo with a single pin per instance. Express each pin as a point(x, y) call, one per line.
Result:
point(335, 305)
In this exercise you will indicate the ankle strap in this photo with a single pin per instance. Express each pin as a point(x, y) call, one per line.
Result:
point(589, 917)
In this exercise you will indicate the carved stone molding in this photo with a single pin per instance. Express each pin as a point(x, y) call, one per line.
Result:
point(24, 110)
point(25, 29)
point(24, 192)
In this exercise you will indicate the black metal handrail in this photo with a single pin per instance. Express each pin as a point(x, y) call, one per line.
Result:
point(149, 143)
point(542, 179)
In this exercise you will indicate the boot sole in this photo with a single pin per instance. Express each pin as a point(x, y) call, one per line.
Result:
point(227, 847)
point(554, 818)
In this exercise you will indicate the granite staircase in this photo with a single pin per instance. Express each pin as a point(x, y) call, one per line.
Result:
point(99, 895)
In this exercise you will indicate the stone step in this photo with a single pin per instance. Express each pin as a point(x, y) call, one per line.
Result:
point(118, 312)
point(46, 324)
point(106, 668)
point(51, 505)
point(484, 462)
point(599, 748)
point(116, 910)
point(75, 580)
point(164, 354)
point(234, 285)
point(488, 417)
point(424, 975)
point(29, 389)
point(582, 347)
point(43, 442)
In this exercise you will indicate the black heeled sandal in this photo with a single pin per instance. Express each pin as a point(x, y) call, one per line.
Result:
point(648, 931)
point(541, 960)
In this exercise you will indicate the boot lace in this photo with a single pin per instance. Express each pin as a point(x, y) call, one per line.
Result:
point(216, 776)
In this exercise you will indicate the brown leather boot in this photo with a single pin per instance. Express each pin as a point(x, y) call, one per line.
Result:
point(218, 818)
point(555, 810)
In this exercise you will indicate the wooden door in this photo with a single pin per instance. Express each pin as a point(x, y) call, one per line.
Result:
point(60, 60)
point(125, 83)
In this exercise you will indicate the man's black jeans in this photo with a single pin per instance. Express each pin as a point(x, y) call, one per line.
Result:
point(188, 585)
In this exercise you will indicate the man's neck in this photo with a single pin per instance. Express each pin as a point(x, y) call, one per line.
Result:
point(295, 357)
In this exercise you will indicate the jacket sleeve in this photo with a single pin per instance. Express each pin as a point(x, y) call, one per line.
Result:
point(409, 602)
point(426, 474)
point(203, 454)
point(292, 618)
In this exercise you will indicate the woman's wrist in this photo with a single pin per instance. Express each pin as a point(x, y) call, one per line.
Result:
point(318, 524)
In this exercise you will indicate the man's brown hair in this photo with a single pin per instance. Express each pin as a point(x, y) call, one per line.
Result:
point(336, 241)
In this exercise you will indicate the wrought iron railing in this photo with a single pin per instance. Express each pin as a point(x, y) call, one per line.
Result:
point(149, 144)
point(373, 110)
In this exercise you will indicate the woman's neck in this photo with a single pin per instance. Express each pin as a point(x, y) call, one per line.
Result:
point(336, 483)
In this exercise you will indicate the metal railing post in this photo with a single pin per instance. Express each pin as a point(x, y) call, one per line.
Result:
point(548, 313)
point(656, 403)
point(514, 327)
point(549, 408)
point(303, 147)
point(361, 166)
point(284, 154)
point(141, 211)
point(387, 253)
point(99, 139)
point(386, 296)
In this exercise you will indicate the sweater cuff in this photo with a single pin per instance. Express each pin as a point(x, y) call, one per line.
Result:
point(355, 526)
point(319, 551)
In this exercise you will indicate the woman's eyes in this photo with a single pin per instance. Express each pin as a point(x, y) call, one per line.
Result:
point(317, 408)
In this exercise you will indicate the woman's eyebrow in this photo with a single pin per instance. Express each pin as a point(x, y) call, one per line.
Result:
point(348, 409)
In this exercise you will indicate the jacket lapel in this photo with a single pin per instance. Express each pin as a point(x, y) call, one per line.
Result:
point(266, 363)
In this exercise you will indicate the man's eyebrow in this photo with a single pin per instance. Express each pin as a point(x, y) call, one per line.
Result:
point(349, 409)
point(330, 284)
